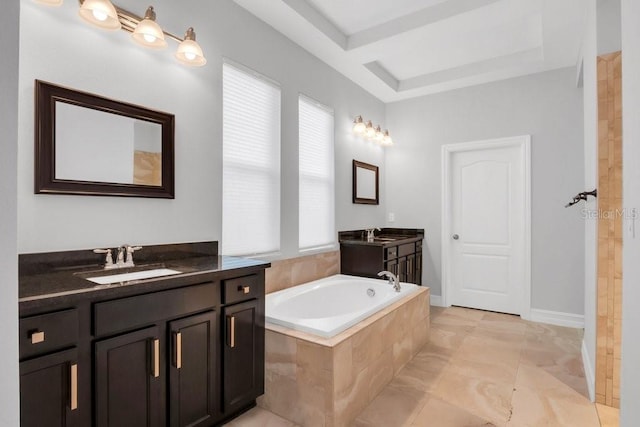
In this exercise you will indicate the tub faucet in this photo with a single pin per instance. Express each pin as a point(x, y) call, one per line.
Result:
point(393, 279)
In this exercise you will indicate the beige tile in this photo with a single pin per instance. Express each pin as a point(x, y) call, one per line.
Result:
point(497, 371)
point(535, 408)
point(486, 399)
point(431, 358)
point(447, 336)
point(609, 417)
point(258, 417)
point(439, 413)
point(489, 351)
point(401, 353)
point(392, 407)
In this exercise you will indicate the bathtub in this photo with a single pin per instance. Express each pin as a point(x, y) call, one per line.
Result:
point(331, 305)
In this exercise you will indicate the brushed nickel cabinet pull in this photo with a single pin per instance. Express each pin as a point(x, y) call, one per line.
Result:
point(74, 387)
point(156, 358)
point(37, 337)
point(232, 338)
point(178, 350)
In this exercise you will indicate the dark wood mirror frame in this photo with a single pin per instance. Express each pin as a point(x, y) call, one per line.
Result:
point(357, 198)
point(47, 95)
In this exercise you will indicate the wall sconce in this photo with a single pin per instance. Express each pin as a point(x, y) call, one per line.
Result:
point(145, 31)
point(367, 130)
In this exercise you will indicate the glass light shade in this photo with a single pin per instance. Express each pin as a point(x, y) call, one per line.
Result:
point(370, 131)
point(100, 13)
point(49, 2)
point(189, 51)
point(148, 33)
point(358, 125)
point(379, 135)
point(387, 138)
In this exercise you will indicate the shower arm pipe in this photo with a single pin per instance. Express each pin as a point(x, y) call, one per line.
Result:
point(582, 196)
point(130, 21)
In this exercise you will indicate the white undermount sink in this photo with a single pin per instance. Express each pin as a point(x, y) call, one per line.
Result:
point(127, 277)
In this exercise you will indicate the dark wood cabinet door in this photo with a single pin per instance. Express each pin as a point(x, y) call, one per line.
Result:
point(418, 268)
point(391, 266)
point(193, 378)
point(243, 355)
point(48, 390)
point(128, 380)
point(411, 268)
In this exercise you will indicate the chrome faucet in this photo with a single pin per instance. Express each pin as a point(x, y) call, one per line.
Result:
point(371, 233)
point(393, 279)
point(124, 258)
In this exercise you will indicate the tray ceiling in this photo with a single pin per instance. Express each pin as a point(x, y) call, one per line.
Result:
point(400, 49)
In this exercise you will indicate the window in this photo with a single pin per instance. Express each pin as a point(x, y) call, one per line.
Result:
point(250, 163)
point(316, 175)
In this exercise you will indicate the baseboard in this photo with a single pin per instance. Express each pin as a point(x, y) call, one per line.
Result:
point(557, 318)
point(436, 300)
point(588, 372)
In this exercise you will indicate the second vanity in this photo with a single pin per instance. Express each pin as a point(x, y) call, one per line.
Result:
point(186, 349)
point(398, 250)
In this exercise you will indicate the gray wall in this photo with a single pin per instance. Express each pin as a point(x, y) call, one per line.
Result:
point(9, 391)
point(57, 46)
point(547, 106)
point(609, 35)
point(630, 374)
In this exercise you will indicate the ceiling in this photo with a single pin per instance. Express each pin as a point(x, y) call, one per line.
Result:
point(400, 49)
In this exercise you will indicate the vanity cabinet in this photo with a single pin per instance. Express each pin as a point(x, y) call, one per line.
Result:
point(243, 354)
point(187, 354)
point(48, 390)
point(401, 255)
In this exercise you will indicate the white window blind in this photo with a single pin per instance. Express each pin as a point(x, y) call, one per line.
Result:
point(316, 175)
point(251, 164)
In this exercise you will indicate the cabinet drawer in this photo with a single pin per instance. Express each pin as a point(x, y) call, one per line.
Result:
point(242, 289)
point(142, 310)
point(48, 332)
point(391, 253)
point(406, 249)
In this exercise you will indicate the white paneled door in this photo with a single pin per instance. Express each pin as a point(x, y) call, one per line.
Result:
point(487, 224)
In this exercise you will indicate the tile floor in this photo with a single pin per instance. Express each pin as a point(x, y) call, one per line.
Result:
point(480, 369)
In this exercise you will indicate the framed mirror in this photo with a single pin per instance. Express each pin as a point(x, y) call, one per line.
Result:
point(86, 144)
point(365, 184)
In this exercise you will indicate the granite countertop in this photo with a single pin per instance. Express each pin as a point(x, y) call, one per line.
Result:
point(45, 277)
point(384, 238)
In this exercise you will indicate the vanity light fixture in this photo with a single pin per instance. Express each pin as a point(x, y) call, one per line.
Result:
point(379, 135)
point(101, 13)
point(374, 133)
point(145, 31)
point(386, 140)
point(49, 2)
point(148, 33)
point(189, 52)
point(370, 131)
point(358, 125)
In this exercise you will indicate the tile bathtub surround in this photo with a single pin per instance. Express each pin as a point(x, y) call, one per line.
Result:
point(313, 381)
point(290, 272)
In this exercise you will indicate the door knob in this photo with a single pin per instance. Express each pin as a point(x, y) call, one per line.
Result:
point(455, 237)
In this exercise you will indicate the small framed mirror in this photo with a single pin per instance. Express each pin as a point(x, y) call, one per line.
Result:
point(365, 183)
point(86, 144)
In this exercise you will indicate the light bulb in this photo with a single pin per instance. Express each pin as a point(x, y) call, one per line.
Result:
point(359, 127)
point(370, 130)
point(379, 135)
point(100, 15)
point(148, 33)
point(189, 51)
point(387, 138)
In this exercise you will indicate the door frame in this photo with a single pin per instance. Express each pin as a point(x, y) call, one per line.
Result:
point(524, 143)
